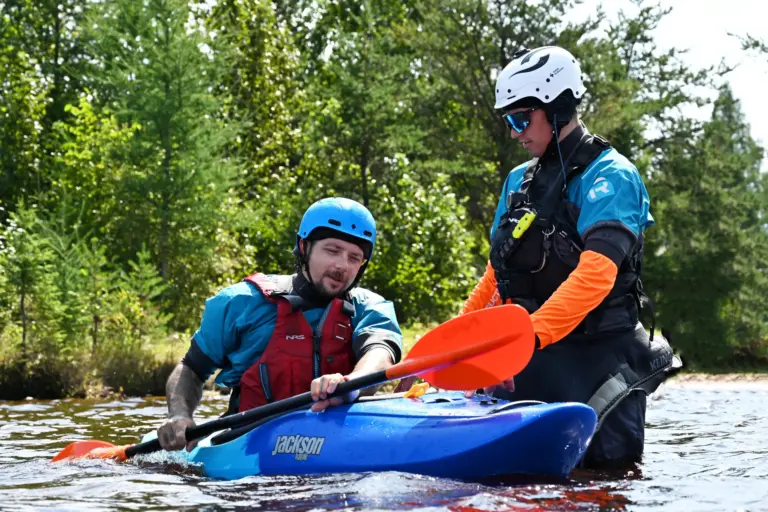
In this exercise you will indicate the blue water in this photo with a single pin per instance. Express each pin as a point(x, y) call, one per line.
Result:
point(706, 449)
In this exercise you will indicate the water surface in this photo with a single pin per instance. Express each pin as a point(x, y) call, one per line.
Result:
point(706, 449)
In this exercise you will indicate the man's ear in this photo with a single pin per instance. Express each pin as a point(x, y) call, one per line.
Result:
point(304, 247)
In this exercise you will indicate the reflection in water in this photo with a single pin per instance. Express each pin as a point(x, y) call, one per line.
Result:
point(705, 450)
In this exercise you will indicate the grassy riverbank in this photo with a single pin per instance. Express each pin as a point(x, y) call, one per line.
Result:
point(138, 370)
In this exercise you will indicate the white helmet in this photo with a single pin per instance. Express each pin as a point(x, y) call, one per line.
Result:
point(543, 73)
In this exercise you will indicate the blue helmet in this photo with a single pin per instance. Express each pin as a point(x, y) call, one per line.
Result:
point(340, 215)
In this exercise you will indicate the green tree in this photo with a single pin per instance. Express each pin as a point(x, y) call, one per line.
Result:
point(139, 289)
point(98, 287)
point(707, 250)
point(159, 67)
point(31, 292)
point(23, 93)
point(362, 86)
point(41, 60)
point(754, 44)
point(264, 100)
point(259, 90)
point(61, 235)
point(361, 139)
point(424, 253)
point(132, 323)
point(91, 163)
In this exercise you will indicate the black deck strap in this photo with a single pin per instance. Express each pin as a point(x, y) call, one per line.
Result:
point(234, 433)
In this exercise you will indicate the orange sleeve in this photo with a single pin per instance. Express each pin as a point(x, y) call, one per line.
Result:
point(583, 291)
point(484, 295)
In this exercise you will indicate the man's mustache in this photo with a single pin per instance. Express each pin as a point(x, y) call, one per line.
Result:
point(337, 275)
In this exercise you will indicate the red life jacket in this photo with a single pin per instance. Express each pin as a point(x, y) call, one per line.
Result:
point(294, 355)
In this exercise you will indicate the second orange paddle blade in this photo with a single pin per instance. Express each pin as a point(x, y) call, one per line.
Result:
point(509, 322)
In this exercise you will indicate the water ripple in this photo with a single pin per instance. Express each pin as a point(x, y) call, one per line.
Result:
point(705, 450)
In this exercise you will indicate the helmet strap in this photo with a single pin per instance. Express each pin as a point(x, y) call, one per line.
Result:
point(556, 135)
point(304, 260)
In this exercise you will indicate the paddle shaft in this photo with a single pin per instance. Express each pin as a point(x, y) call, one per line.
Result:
point(281, 406)
point(503, 343)
point(400, 370)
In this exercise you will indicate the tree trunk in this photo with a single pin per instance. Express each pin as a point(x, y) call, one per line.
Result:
point(364, 174)
point(23, 324)
point(166, 191)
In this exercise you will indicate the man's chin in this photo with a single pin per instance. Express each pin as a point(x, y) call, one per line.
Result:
point(334, 291)
point(532, 152)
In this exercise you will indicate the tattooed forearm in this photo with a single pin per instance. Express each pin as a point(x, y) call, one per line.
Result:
point(183, 391)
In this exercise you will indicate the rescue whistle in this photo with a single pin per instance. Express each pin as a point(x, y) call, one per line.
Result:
point(523, 224)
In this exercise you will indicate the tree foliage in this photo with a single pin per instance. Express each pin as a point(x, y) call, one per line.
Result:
point(152, 152)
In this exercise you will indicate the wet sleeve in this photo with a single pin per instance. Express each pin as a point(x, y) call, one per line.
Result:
point(586, 287)
point(375, 324)
point(613, 242)
point(616, 198)
point(368, 341)
point(484, 295)
point(198, 362)
point(217, 335)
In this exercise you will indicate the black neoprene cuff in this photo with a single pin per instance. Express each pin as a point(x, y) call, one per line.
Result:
point(198, 362)
point(612, 242)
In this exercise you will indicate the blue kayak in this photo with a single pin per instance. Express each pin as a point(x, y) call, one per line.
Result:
point(439, 434)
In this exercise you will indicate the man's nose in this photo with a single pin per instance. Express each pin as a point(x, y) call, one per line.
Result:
point(341, 262)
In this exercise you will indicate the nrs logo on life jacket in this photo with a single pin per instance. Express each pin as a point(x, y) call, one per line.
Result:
point(298, 445)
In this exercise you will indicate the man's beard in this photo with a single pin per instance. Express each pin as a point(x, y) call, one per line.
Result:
point(322, 290)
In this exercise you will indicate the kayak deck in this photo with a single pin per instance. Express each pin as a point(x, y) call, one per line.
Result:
point(439, 434)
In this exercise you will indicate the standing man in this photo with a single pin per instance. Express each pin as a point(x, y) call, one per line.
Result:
point(567, 244)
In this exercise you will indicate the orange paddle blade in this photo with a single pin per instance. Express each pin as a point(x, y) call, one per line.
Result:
point(475, 350)
point(91, 450)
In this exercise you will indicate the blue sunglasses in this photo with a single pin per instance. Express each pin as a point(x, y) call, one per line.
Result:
point(518, 121)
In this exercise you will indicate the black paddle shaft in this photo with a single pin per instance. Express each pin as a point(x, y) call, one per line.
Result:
point(259, 413)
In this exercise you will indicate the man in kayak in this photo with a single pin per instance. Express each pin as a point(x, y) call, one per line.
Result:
point(567, 245)
point(279, 336)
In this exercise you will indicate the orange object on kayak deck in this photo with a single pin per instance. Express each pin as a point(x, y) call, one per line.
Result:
point(418, 389)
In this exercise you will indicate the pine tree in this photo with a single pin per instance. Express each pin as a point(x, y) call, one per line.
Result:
point(707, 251)
point(31, 285)
point(156, 69)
